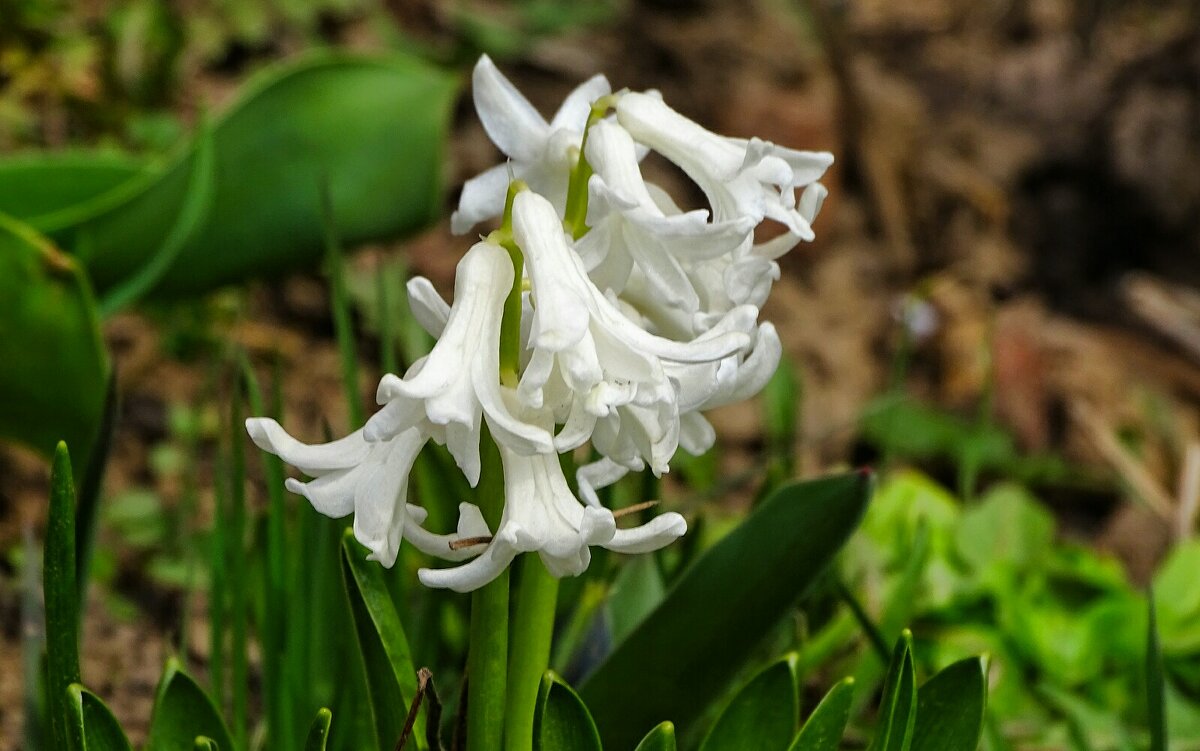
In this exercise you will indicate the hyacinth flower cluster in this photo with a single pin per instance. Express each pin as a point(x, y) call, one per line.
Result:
point(600, 312)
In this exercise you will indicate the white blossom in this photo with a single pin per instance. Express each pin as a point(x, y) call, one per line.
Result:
point(540, 153)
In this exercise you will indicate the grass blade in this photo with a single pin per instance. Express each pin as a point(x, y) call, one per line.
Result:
point(62, 599)
point(1156, 706)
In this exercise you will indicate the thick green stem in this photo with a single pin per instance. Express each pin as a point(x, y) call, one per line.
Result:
point(532, 629)
point(487, 661)
point(575, 216)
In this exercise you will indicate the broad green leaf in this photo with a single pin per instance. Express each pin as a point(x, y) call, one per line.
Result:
point(1008, 527)
point(62, 599)
point(752, 576)
point(391, 677)
point(898, 707)
point(661, 738)
point(950, 708)
point(182, 713)
point(55, 368)
point(824, 727)
point(93, 726)
point(763, 715)
point(372, 127)
point(638, 589)
point(1177, 600)
point(33, 186)
point(318, 732)
point(561, 721)
point(1156, 715)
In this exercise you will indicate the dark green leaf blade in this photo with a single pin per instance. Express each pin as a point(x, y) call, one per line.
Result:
point(561, 721)
point(391, 678)
point(93, 725)
point(55, 367)
point(34, 185)
point(661, 738)
point(762, 716)
point(824, 727)
point(950, 708)
point(1156, 705)
point(793, 535)
point(62, 598)
point(898, 707)
point(182, 713)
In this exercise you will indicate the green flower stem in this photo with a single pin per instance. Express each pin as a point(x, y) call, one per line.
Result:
point(575, 216)
point(532, 628)
point(510, 325)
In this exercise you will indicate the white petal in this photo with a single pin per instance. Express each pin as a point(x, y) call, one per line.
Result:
point(575, 109)
point(561, 318)
point(598, 474)
point(428, 307)
point(470, 525)
point(509, 119)
point(659, 532)
point(696, 434)
point(482, 198)
point(309, 459)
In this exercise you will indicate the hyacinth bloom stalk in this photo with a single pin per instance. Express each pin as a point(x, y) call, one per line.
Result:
point(599, 314)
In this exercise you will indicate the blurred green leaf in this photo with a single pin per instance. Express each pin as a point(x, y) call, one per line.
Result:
point(318, 732)
point(661, 738)
point(55, 370)
point(1006, 527)
point(391, 677)
point(638, 589)
point(561, 721)
point(62, 599)
point(762, 716)
point(372, 127)
point(1177, 600)
point(182, 713)
point(950, 708)
point(33, 186)
point(204, 743)
point(824, 727)
point(755, 573)
point(93, 726)
point(898, 707)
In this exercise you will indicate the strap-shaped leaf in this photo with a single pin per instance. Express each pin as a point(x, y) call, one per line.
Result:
point(55, 368)
point(950, 708)
point(755, 574)
point(391, 678)
point(763, 715)
point(34, 186)
point(373, 126)
point(1156, 709)
point(661, 738)
point(561, 721)
point(93, 727)
point(898, 707)
point(824, 728)
point(182, 713)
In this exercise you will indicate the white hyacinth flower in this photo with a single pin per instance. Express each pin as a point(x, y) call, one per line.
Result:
point(540, 153)
point(542, 515)
point(741, 178)
point(458, 383)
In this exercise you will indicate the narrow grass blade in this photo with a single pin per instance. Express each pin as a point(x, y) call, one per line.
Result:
point(62, 598)
point(898, 707)
point(91, 484)
point(1156, 706)
point(318, 732)
point(235, 554)
point(824, 728)
point(341, 307)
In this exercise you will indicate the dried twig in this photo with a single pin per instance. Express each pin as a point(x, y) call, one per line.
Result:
point(1133, 472)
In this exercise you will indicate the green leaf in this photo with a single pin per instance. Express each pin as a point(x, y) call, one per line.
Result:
point(391, 678)
point(93, 727)
point(373, 127)
point(763, 715)
point(661, 738)
point(755, 573)
point(1156, 714)
point(205, 744)
point(950, 708)
point(824, 728)
point(898, 708)
point(182, 713)
point(638, 589)
point(34, 186)
point(318, 732)
point(62, 599)
point(55, 368)
point(561, 721)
